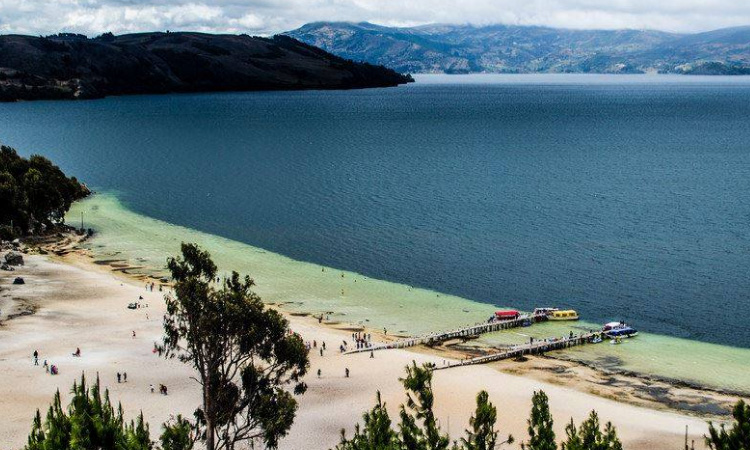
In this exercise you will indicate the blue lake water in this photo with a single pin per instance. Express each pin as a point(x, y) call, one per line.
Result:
point(621, 197)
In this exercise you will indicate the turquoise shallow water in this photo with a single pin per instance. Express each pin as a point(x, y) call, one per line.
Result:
point(357, 299)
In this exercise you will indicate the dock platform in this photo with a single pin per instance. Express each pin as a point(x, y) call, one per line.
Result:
point(464, 332)
point(533, 348)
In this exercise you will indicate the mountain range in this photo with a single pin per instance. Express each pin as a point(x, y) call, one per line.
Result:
point(526, 49)
point(70, 66)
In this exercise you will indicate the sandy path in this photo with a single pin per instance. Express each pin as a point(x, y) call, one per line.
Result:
point(86, 307)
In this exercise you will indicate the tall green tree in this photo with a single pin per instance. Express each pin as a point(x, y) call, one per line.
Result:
point(418, 428)
point(589, 435)
point(735, 438)
point(420, 399)
point(483, 435)
point(246, 358)
point(376, 434)
point(91, 423)
point(541, 434)
point(177, 434)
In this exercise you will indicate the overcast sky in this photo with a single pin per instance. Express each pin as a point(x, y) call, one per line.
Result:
point(270, 16)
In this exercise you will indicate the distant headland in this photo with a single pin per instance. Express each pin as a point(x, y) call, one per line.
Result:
point(445, 48)
point(71, 66)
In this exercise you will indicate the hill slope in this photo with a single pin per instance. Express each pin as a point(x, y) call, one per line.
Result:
point(72, 66)
point(501, 48)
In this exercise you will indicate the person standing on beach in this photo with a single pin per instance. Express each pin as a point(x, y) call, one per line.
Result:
point(321, 351)
point(119, 377)
point(124, 377)
point(36, 357)
point(347, 372)
point(319, 373)
point(372, 354)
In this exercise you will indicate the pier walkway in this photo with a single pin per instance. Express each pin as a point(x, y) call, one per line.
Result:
point(464, 332)
point(533, 348)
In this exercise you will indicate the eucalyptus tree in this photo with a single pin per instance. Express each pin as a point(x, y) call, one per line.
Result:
point(248, 362)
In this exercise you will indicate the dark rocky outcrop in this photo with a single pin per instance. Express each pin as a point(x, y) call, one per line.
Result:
point(74, 67)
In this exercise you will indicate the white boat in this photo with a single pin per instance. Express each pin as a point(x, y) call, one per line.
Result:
point(619, 330)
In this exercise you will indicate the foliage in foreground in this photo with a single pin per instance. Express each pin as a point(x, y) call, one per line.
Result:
point(91, 422)
point(735, 438)
point(245, 355)
point(419, 429)
point(34, 193)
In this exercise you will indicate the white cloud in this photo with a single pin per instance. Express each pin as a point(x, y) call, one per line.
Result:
point(271, 16)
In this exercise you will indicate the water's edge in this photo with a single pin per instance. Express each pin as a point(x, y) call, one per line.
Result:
point(302, 287)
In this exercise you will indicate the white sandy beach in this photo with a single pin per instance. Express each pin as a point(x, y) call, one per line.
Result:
point(82, 305)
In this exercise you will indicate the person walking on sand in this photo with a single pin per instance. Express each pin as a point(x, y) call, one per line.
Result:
point(372, 354)
point(321, 351)
point(119, 377)
point(347, 372)
point(319, 373)
point(124, 377)
point(36, 357)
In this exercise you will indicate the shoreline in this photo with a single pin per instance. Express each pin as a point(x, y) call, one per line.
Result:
point(83, 304)
point(624, 385)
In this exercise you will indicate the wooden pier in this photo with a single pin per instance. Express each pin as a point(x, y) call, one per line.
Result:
point(464, 332)
point(532, 348)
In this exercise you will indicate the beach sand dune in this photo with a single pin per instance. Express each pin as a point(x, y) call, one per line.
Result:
point(79, 305)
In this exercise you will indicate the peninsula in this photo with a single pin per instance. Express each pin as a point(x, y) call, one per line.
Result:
point(71, 66)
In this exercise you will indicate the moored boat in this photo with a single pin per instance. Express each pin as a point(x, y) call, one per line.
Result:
point(544, 311)
point(567, 314)
point(616, 330)
point(507, 314)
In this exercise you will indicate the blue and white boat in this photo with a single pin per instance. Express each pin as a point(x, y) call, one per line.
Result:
point(619, 330)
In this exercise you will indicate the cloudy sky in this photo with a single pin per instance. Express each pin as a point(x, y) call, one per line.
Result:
point(269, 16)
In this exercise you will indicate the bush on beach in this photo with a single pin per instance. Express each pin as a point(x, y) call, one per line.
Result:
point(34, 194)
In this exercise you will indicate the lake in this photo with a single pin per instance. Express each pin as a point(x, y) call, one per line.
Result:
point(623, 197)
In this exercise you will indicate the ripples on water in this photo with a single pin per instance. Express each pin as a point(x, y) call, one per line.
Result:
point(622, 197)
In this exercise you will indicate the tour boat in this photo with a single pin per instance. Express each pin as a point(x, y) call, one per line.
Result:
point(507, 314)
point(544, 311)
point(619, 330)
point(567, 314)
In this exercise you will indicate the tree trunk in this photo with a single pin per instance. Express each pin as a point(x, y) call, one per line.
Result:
point(210, 434)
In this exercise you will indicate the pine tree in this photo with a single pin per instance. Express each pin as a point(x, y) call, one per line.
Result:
point(589, 435)
point(37, 436)
point(376, 434)
point(483, 435)
point(541, 434)
point(177, 434)
point(737, 437)
point(91, 423)
point(420, 398)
